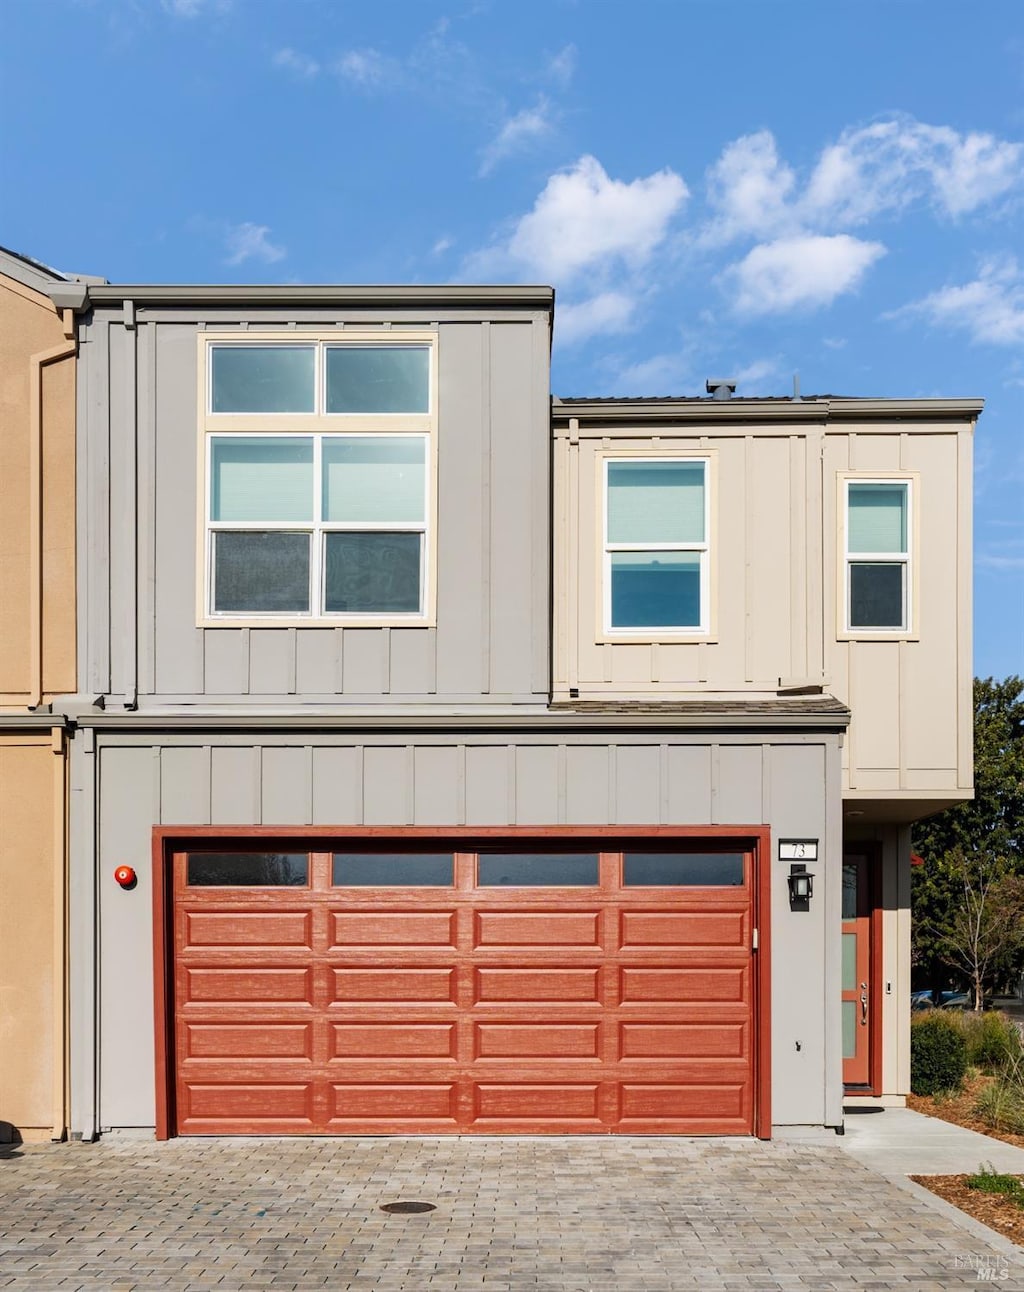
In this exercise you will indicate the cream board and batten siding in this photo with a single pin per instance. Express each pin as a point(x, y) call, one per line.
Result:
point(777, 576)
point(140, 636)
point(536, 777)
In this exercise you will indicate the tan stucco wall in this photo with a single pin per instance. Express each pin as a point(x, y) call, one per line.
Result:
point(29, 325)
point(31, 935)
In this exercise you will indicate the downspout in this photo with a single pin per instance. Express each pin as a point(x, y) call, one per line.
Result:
point(61, 1048)
point(37, 362)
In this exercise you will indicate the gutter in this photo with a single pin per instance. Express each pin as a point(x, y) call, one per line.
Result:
point(539, 722)
point(536, 297)
point(37, 362)
point(600, 413)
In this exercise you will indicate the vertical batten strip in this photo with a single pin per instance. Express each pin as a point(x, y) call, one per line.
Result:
point(485, 507)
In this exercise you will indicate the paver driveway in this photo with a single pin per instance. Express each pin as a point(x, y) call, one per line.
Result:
point(511, 1214)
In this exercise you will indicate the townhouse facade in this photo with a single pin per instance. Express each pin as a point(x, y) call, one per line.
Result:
point(445, 758)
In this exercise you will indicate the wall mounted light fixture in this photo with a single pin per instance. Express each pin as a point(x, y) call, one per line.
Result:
point(801, 885)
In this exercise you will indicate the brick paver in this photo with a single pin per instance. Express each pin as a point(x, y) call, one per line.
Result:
point(512, 1215)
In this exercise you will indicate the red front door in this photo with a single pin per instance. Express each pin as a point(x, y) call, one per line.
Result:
point(858, 1002)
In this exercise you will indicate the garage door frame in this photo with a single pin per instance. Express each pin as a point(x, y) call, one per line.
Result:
point(169, 839)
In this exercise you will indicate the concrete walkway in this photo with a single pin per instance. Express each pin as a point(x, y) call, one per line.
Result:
point(898, 1141)
point(558, 1214)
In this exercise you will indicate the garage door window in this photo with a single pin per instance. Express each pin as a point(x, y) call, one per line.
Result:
point(393, 870)
point(537, 870)
point(682, 869)
point(248, 869)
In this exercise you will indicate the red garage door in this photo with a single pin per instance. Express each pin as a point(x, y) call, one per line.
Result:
point(379, 991)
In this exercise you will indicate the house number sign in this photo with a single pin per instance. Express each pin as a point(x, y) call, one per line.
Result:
point(798, 850)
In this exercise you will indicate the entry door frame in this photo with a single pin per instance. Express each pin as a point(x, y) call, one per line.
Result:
point(170, 839)
point(871, 855)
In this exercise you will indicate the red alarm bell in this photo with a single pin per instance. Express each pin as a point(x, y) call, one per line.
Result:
point(125, 876)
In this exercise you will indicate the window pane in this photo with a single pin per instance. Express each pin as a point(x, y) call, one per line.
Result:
point(375, 478)
point(261, 573)
point(878, 518)
point(849, 1029)
point(378, 379)
point(682, 869)
point(262, 378)
point(656, 502)
point(393, 869)
point(849, 962)
point(655, 589)
point(372, 573)
point(248, 869)
point(850, 891)
point(876, 594)
point(536, 870)
point(262, 479)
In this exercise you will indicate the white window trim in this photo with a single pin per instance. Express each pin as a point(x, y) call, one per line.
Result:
point(908, 630)
point(654, 633)
point(317, 426)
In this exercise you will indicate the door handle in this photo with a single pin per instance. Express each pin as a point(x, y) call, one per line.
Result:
point(863, 1008)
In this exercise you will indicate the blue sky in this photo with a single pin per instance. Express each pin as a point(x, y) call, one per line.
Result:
point(714, 187)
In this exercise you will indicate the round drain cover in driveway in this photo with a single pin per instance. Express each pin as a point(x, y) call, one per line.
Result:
point(407, 1208)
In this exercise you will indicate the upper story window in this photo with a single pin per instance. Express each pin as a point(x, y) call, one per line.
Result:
point(656, 551)
point(878, 557)
point(318, 461)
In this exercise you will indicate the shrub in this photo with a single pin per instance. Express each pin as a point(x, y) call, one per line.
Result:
point(993, 1041)
point(989, 1180)
point(1000, 1105)
point(938, 1055)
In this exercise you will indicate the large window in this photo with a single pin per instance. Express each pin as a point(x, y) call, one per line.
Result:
point(656, 546)
point(878, 569)
point(318, 465)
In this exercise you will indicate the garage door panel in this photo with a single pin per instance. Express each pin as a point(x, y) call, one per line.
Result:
point(538, 985)
point(232, 928)
point(685, 985)
point(393, 1040)
point(248, 1040)
point(548, 929)
point(406, 984)
point(255, 986)
point(684, 1040)
point(536, 1101)
point(409, 1101)
point(680, 1102)
point(393, 928)
point(536, 1040)
point(684, 929)
point(261, 1101)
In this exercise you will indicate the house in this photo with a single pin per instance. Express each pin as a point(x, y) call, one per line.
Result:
point(449, 759)
point(37, 663)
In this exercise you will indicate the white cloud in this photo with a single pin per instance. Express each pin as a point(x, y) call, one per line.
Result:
point(300, 64)
point(368, 69)
point(251, 242)
point(870, 170)
point(517, 133)
point(584, 220)
point(442, 245)
point(661, 374)
point(990, 309)
point(194, 8)
point(750, 188)
point(804, 272)
point(561, 67)
point(756, 373)
point(607, 312)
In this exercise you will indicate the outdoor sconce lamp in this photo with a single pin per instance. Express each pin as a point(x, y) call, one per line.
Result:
point(801, 884)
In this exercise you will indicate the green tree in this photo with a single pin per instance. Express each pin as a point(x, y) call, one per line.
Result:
point(970, 839)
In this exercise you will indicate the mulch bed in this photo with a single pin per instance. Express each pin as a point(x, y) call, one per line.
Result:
point(959, 1109)
point(993, 1209)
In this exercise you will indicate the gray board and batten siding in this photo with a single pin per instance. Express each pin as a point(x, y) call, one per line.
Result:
point(788, 780)
point(138, 635)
